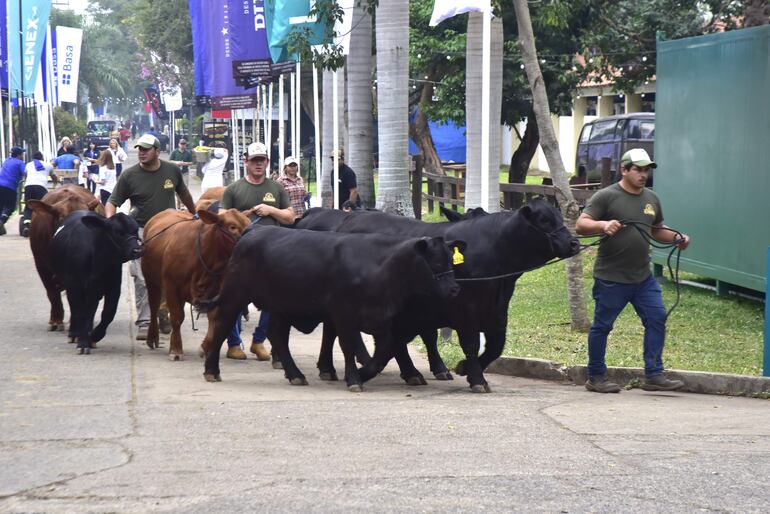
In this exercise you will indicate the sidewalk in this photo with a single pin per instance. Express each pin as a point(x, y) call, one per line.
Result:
point(125, 430)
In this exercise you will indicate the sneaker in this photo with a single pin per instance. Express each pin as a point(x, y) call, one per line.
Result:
point(235, 352)
point(164, 323)
point(141, 334)
point(2, 228)
point(600, 384)
point(661, 383)
point(260, 351)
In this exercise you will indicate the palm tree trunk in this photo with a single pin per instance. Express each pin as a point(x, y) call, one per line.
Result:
point(327, 141)
point(359, 65)
point(393, 194)
point(550, 144)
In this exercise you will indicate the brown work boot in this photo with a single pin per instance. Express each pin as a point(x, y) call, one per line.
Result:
point(164, 323)
point(600, 384)
point(661, 383)
point(235, 352)
point(260, 351)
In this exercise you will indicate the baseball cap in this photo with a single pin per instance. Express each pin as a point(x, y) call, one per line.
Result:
point(339, 153)
point(147, 141)
point(17, 150)
point(183, 141)
point(290, 160)
point(256, 150)
point(638, 157)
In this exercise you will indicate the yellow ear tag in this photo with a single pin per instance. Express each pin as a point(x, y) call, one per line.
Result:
point(457, 257)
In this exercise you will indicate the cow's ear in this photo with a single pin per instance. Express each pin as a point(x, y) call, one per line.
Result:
point(208, 217)
point(94, 222)
point(94, 205)
point(459, 244)
point(526, 211)
point(421, 245)
point(42, 207)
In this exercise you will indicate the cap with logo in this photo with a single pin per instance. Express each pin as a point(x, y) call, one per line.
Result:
point(339, 153)
point(183, 141)
point(17, 150)
point(256, 150)
point(147, 141)
point(290, 160)
point(637, 157)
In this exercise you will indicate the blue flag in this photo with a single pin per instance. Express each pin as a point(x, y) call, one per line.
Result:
point(26, 33)
point(284, 17)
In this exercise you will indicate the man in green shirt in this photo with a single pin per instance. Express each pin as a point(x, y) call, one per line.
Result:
point(271, 206)
point(622, 270)
point(183, 158)
point(152, 186)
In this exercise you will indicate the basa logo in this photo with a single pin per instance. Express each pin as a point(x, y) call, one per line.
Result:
point(268, 198)
point(649, 209)
point(168, 184)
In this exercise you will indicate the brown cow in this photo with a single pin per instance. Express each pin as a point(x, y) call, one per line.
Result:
point(210, 196)
point(184, 259)
point(46, 218)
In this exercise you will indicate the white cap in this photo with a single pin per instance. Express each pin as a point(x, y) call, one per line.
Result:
point(147, 141)
point(290, 160)
point(256, 150)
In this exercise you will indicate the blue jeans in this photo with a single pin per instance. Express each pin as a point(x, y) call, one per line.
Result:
point(260, 331)
point(611, 298)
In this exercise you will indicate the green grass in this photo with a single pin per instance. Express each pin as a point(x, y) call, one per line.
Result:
point(704, 333)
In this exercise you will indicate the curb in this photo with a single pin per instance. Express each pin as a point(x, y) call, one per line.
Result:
point(694, 381)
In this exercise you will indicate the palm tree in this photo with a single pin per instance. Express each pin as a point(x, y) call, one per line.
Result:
point(359, 67)
point(473, 88)
point(550, 144)
point(392, 35)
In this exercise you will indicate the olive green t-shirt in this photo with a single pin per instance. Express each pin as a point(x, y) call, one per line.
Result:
point(149, 191)
point(244, 195)
point(624, 257)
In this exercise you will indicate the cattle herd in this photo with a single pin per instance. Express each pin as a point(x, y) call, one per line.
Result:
point(364, 271)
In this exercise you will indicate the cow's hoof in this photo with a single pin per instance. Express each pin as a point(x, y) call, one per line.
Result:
point(72, 339)
point(277, 365)
point(481, 388)
point(55, 327)
point(355, 388)
point(446, 375)
point(417, 380)
point(330, 376)
point(173, 357)
point(460, 368)
point(84, 351)
point(211, 377)
point(298, 381)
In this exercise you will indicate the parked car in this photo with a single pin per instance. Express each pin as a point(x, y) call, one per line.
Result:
point(612, 137)
point(99, 132)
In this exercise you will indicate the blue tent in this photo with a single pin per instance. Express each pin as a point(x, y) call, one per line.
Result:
point(448, 138)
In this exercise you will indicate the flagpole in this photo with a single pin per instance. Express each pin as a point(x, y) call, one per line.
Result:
point(269, 141)
point(298, 113)
point(485, 101)
point(336, 140)
point(281, 126)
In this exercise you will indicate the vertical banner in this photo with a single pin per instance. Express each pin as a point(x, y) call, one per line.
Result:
point(285, 16)
point(66, 52)
point(27, 20)
point(3, 44)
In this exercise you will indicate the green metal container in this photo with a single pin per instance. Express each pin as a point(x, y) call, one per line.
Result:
point(712, 146)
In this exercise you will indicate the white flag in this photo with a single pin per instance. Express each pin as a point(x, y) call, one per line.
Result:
point(68, 43)
point(445, 9)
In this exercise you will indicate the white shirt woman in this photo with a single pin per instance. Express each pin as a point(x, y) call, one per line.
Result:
point(119, 156)
point(212, 170)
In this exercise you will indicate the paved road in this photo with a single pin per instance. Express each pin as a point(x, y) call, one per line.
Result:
point(125, 430)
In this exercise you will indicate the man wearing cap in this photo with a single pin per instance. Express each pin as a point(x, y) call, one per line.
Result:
point(271, 206)
point(347, 181)
point(152, 186)
point(10, 176)
point(182, 157)
point(622, 270)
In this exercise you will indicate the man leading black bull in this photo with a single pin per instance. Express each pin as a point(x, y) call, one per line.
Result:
point(498, 244)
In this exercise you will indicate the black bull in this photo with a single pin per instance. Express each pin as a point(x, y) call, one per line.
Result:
point(497, 244)
point(358, 282)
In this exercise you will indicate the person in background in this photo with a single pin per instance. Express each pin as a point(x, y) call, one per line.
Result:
point(108, 175)
point(64, 144)
point(70, 160)
point(294, 185)
point(90, 156)
point(133, 130)
point(213, 170)
point(347, 181)
point(10, 175)
point(37, 172)
point(123, 135)
point(622, 270)
point(119, 156)
point(183, 158)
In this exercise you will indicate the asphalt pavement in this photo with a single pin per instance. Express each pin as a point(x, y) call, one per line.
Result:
point(125, 430)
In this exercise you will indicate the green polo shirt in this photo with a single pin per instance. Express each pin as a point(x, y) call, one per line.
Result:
point(149, 191)
point(244, 195)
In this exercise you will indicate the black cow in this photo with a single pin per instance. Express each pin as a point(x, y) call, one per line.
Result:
point(498, 244)
point(87, 253)
point(358, 282)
